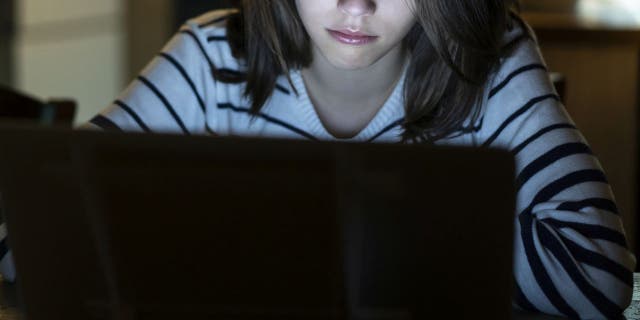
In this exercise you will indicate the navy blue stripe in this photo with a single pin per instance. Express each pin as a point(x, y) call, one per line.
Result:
point(202, 49)
point(538, 269)
point(242, 74)
point(224, 70)
point(526, 221)
point(133, 115)
point(591, 231)
point(526, 34)
point(386, 129)
point(166, 103)
point(104, 123)
point(608, 308)
point(282, 89)
point(213, 67)
point(538, 134)
point(522, 300)
point(4, 248)
point(515, 41)
point(511, 76)
point(214, 21)
point(186, 77)
point(555, 154)
point(517, 114)
point(563, 183)
point(599, 261)
point(232, 72)
point(216, 38)
point(600, 203)
point(269, 119)
point(210, 131)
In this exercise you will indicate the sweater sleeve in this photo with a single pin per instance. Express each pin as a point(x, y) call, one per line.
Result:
point(571, 256)
point(7, 269)
point(170, 95)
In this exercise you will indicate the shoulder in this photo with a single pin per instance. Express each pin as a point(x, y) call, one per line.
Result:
point(521, 65)
point(207, 34)
point(519, 93)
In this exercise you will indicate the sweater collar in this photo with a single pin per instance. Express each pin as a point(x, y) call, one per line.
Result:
point(391, 111)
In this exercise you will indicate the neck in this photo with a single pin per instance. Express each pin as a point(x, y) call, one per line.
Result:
point(352, 87)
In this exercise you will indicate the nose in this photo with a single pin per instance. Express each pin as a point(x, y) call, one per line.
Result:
point(357, 8)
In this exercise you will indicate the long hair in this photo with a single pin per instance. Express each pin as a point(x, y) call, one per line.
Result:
point(454, 47)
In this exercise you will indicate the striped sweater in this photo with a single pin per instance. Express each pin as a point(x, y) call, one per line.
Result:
point(571, 256)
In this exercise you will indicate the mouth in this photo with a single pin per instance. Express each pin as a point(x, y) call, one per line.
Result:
point(352, 38)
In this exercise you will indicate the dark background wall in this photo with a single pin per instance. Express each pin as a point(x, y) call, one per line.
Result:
point(150, 24)
point(186, 9)
point(6, 32)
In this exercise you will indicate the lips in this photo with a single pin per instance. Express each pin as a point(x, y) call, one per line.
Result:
point(352, 38)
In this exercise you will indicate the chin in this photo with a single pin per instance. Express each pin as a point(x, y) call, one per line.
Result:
point(350, 66)
point(351, 63)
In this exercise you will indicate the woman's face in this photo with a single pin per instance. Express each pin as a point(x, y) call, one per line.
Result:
point(354, 34)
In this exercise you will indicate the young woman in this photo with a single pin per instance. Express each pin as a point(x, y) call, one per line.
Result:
point(446, 72)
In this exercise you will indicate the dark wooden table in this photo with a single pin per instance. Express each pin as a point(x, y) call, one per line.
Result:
point(10, 311)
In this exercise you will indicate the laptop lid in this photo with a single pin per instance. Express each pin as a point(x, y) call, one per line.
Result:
point(247, 228)
point(49, 235)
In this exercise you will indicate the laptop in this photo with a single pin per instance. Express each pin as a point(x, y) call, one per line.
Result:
point(132, 226)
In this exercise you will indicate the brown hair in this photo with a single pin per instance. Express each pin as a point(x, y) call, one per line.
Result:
point(454, 46)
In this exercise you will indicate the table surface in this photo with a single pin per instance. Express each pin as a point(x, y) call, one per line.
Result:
point(9, 311)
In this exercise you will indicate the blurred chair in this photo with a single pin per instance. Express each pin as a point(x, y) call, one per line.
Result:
point(560, 82)
point(17, 106)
